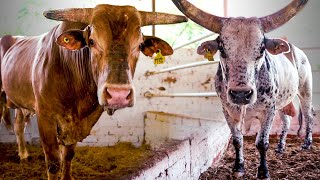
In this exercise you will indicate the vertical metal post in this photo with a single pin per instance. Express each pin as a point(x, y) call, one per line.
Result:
point(225, 8)
point(153, 10)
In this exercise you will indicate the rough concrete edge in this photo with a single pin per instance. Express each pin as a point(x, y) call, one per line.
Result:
point(213, 158)
point(162, 156)
point(158, 161)
point(221, 153)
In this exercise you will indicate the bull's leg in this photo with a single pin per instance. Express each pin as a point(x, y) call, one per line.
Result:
point(307, 112)
point(305, 96)
point(19, 126)
point(67, 155)
point(50, 145)
point(262, 143)
point(237, 141)
point(286, 120)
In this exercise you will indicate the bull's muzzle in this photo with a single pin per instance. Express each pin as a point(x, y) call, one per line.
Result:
point(241, 97)
point(117, 97)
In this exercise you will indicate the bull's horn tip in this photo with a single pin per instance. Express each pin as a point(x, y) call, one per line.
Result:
point(47, 14)
point(184, 19)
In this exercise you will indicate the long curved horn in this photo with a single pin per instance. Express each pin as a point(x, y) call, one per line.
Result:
point(82, 15)
point(206, 20)
point(153, 18)
point(279, 18)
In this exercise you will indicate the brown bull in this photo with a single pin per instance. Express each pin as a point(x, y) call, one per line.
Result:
point(82, 67)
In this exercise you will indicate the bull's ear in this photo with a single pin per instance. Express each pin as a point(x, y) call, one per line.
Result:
point(151, 44)
point(72, 39)
point(211, 46)
point(277, 46)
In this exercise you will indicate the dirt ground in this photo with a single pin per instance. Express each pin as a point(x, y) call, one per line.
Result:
point(294, 164)
point(124, 161)
point(116, 162)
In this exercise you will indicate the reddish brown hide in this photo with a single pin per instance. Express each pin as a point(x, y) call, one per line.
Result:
point(82, 67)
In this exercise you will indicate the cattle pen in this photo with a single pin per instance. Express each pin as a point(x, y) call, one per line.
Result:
point(177, 120)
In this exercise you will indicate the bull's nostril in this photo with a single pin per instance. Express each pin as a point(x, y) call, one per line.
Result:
point(241, 96)
point(248, 95)
point(232, 94)
point(108, 95)
point(130, 95)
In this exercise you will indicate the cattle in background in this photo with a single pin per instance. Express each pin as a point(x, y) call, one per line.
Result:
point(251, 82)
point(82, 67)
point(21, 116)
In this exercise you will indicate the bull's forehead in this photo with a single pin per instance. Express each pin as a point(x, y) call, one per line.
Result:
point(242, 37)
point(114, 22)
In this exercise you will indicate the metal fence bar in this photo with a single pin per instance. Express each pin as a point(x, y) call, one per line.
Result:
point(309, 48)
point(184, 66)
point(204, 94)
point(193, 41)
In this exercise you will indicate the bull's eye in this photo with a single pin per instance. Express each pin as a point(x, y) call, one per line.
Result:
point(262, 49)
point(91, 42)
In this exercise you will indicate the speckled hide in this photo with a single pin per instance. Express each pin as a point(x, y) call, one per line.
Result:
point(256, 76)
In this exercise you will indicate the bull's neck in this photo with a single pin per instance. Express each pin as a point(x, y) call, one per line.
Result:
point(75, 68)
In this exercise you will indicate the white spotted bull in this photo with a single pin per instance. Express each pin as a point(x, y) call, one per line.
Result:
point(256, 75)
point(81, 67)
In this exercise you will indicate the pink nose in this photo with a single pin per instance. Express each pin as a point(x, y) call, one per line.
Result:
point(118, 97)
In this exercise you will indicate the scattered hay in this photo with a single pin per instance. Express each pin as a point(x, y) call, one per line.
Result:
point(117, 162)
point(294, 163)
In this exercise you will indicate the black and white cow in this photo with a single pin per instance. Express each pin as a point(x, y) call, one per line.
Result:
point(256, 75)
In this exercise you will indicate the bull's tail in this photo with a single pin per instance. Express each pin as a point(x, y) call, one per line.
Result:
point(300, 118)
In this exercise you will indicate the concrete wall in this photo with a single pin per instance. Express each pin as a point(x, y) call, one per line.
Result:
point(197, 144)
point(128, 124)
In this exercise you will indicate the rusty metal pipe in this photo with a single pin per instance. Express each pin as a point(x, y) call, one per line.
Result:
point(184, 66)
point(148, 94)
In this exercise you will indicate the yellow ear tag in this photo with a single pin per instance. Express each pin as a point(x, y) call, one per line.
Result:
point(208, 55)
point(66, 40)
point(159, 59)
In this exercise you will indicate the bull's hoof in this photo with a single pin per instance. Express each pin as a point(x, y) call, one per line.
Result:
point(53, 167)
point(280, 149)
point(238, 170)
point(26, 159)
point(263, 173)
point(307, 144)
point(238, 175)
point(29, 158)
